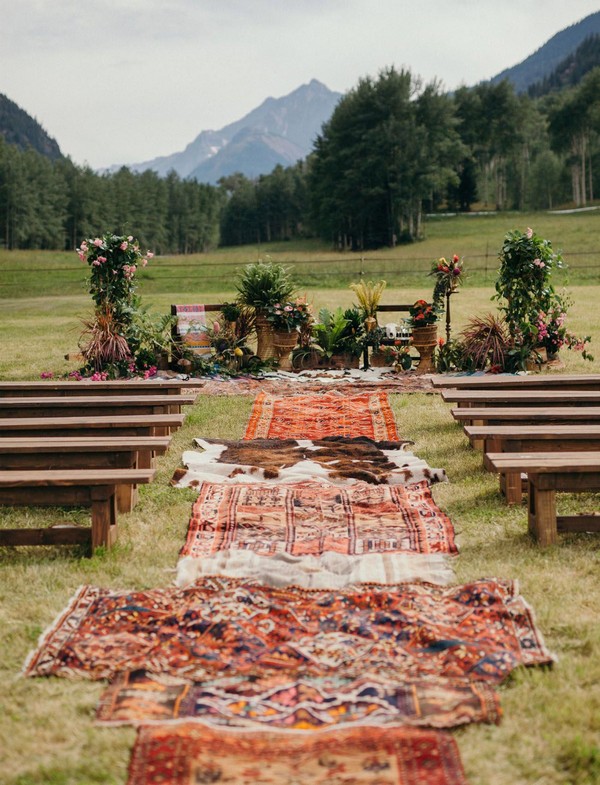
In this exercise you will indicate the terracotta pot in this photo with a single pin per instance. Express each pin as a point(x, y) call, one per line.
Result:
point(283, 344)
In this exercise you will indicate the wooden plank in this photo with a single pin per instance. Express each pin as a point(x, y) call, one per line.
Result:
point(117, 425)
point(57, 478)
point(548, 398)
point(53, 535)
point(545, 381)
point(546, 462)
point(527, 415)
point(115, 387)
point(92, 406)
point(578, 523)
point(83, 444)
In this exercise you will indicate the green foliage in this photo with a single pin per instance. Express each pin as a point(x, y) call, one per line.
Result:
point(261, 284)
point(330, 332)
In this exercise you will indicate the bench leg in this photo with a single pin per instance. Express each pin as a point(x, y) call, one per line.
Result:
point(542, 515)
point(104, 516)
point(513, 487)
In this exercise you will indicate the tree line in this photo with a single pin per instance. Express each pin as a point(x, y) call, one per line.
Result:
point(393, 150)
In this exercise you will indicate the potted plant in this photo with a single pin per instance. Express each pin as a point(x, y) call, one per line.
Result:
point(287, 319)
point(330, 334)
point(260, 285)
point(369, 296)
point(423, 320)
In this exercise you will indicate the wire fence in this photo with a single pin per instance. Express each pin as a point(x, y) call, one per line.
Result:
point(482, 269)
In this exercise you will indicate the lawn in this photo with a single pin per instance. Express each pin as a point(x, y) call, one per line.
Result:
point(550, 732)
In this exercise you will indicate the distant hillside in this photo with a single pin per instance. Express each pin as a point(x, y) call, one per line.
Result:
point(20, 129)
point(572, 69)
point(279, 131)
point(549, 56)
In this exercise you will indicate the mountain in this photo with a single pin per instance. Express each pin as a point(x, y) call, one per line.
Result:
point(279, 131)
point(571, 70)
point(543, 61)
point(19, 128)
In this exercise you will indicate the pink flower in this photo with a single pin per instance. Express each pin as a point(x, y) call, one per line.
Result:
point(216, 328)
point(102, 258)
point(97, 242)
point(124, 245)
point(150, 372)
point(529, 233)
point(46, 375)
point(130, 238)
point(149, 255)
point(539, 263)
point(144, 262)
point(96, 263)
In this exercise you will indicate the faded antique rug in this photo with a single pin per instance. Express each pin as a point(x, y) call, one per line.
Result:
point(305, 704)
point(336, 459)
point(310, 518)
point(226, 627)
point(189, 754)
point(317, 416)
point(329, 570)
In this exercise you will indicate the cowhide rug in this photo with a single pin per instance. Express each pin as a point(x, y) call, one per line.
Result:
point(338, 460)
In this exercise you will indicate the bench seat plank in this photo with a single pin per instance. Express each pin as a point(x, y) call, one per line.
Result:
point(94, 488)
point(506, 381)
point(112, 387)
point(117, 425)
point(483, 398)
point(500, 415)
point(93, 406)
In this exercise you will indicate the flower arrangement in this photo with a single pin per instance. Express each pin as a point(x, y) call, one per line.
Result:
point(397, 355)
point(113, 261)
point(552, 331)
point(290, 315)
point(448, 276)
point(422, 314)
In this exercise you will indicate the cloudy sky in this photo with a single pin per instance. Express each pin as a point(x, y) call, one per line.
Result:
point(120, 81)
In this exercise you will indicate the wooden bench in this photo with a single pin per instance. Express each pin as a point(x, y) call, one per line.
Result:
point(508, 381)
point(93, 488)
point(530, 438)
point(130, 425)
point(481, 398)
point(115, 387)
point(85, 452)
point(93, 405)
point(528, 415)
point(548, 473)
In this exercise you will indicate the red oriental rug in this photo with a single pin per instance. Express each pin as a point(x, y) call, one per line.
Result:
point(306, 704)
point(309, 518)
point(227, 627)
point(189, 754)
point(317, 416)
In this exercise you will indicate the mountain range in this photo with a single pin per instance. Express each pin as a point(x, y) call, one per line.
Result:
point(282, 130)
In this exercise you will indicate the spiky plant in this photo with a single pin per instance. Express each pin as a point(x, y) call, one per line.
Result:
point(368, 295)
point(486, 341)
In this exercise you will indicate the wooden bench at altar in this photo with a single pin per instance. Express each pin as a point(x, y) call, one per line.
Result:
point(124, 425)
point(115, 387)
point(480, 398)
point(547, 474)
point(527, 415)
point(511, 381)
point(85, 452)
point(93, 488)
point(92, 405)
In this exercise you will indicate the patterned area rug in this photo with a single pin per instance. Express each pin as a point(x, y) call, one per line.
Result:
point(303, 704)
point(317, 416)
point(336, 459)
point(330, 570)
point(309, 518)
point(224, 627)
point(189, 754)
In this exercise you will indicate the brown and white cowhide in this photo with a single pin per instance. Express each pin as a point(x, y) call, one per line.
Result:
point(336, 459)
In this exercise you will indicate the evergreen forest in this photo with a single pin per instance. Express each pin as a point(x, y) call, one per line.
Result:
point(393, 151)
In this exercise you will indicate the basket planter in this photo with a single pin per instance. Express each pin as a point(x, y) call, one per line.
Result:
point(264, 337)
point(424, 339)
point(283, 344)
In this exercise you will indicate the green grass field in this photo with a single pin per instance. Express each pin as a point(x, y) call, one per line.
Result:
point(550, 732)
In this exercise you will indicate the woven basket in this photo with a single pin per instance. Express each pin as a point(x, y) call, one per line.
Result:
point(264, 337)
point(283, 344)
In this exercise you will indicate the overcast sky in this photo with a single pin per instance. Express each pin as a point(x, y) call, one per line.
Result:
point(121, 81)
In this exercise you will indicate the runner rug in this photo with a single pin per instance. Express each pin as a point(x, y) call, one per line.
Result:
point(226, 627)
point(189, 754)
point(317, 416)
point(305, 704)
point(336, 459)
point(309, 518)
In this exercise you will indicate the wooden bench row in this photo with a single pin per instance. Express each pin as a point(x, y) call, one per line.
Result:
point(95, 456)
point(508, 381)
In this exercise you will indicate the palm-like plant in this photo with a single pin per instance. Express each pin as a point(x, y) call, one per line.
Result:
point(263, 283)
point(369, 296)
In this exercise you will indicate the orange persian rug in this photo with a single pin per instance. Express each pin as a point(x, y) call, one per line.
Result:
point(318, 416)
